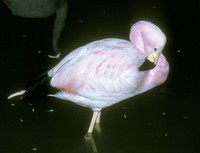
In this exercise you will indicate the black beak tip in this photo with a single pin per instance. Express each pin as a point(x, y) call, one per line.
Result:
point(147, 65)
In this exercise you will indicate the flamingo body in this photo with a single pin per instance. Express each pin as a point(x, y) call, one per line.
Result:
point(106, 72)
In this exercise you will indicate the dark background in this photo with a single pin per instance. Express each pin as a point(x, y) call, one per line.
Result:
point(162, 120)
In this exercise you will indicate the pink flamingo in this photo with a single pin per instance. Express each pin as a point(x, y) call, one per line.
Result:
point(105, 72)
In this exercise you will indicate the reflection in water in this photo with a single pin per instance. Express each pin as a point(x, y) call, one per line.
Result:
point(90, 139)
point(42, 9)
point(89, 136)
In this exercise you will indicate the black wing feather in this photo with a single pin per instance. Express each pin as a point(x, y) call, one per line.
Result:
point(39, 87)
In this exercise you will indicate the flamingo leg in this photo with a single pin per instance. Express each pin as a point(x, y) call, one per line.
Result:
point(98, 117)
point(93, 121)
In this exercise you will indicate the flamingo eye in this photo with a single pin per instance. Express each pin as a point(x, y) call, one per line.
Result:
point(155, 49)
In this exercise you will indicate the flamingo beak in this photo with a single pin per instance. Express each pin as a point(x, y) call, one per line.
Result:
point(150, 62)
point(153, 57)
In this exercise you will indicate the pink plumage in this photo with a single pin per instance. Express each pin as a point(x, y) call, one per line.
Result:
point(107, 71)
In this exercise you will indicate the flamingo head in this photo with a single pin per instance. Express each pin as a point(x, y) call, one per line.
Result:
point(149, 39)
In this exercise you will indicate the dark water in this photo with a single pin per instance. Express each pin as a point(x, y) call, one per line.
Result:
point(165, 119)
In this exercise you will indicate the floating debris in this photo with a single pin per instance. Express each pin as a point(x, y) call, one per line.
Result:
point(51, 110)
point(21, 120)
point(163, 113)
point(33, 109)
point(39, 51)
point(178, 51)
point(30, 104)
point(35, 149)
point(166, 134)
point(12, 104)
point(186, 117)
point(125, 116)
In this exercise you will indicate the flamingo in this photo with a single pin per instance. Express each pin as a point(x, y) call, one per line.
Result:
point(107, 71)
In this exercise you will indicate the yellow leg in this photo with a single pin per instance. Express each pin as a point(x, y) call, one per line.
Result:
point(98, 117)
point(93, 121)
point(97, 125)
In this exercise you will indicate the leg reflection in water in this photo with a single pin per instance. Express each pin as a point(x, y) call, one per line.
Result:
point(91, 142)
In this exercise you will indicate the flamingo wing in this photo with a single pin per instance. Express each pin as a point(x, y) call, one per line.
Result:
point(105, 68)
